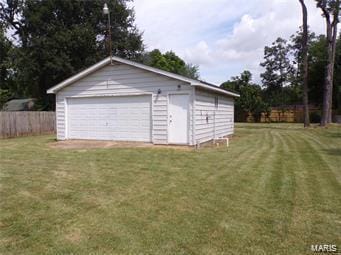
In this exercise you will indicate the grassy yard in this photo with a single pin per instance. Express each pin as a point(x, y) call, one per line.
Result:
point(276, 190)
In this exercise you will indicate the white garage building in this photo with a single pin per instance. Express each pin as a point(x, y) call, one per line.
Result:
point(127, 101)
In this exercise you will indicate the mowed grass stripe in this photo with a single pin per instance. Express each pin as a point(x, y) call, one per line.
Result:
point(271, 222)
point(251, 206)
point(325, 193)
point(319, 188)
point(239, 190)
point(273, 191)
point(301, 222)
point(328, 145)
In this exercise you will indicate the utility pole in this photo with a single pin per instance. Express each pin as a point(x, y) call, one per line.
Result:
point(106, 11)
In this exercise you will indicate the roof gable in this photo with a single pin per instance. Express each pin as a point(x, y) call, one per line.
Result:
point(107, 61)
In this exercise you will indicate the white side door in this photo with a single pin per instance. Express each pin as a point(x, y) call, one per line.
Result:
point(178, 119)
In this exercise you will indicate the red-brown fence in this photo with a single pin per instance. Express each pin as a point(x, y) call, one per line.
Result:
point(13, 124)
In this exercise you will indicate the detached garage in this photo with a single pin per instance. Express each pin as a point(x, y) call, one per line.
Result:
point(122, 100)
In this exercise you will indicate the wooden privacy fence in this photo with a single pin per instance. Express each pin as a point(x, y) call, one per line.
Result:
point(294, 114)
point(13, 124)
point(283, 116)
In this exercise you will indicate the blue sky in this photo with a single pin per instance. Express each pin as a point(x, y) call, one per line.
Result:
point(223, 37)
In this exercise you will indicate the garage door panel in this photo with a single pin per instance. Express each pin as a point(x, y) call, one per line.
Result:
point(110, 118)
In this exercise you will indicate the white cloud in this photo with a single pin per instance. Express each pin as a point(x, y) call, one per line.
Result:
point(224, 37)
point(200, 54)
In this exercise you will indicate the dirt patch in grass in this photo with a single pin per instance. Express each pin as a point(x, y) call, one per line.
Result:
point(92, 144)
point(74, 236)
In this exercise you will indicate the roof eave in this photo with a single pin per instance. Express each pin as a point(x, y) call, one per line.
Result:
point(219, 90)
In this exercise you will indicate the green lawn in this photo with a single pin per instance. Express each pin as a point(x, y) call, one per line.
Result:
point(276, 190)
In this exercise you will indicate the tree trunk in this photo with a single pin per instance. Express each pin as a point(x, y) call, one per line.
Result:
point(331, 46)
point(305, 64)
point(334, 37)
point(328, 83)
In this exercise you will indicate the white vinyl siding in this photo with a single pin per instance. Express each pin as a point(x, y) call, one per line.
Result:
point(212, 121)
point(124, 80)
point(60, 117)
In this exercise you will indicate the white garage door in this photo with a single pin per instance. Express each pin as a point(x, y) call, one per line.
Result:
point(126, 118)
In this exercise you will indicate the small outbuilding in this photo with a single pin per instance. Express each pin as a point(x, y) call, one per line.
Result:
point(122, 100)
point(16, 105)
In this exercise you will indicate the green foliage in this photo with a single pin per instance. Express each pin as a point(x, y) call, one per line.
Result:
point(170, 62)
point(295, 44)
point(316, 65)
point(317, 62)
point(282, 79)
point(5, 47)
point(4, 97)
point(279, 73)
point(237, 82)
point(278, 67)
point(59, 38)
point(6, 77)
point(250, 100)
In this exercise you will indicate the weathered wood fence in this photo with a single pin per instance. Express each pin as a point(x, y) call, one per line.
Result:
point(13, 124)
point(290, 115)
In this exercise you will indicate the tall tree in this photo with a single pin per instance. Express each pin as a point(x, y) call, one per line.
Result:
point(278, 71)
point(58, 38)
point(170, 62)
point(317, 58)
point(304, 64)
point(331, 11)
